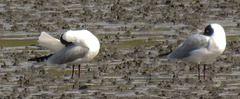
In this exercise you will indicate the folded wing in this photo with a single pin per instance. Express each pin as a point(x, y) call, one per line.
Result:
point(69, 54)
point(192, 43)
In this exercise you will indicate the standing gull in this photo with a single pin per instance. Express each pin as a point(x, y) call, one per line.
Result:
point(201, 48)
point(74, 47)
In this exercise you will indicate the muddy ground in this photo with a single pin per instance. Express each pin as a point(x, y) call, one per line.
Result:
point(132, 34)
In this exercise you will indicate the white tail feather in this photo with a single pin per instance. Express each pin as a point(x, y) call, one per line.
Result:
point(47, 41)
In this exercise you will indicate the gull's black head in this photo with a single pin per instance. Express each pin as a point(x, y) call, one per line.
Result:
point(64, 42)
point(208, 31)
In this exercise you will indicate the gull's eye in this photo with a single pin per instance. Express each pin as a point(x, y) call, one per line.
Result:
point(208, 31)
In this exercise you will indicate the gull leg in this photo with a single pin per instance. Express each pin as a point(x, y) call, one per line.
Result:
point(204, 71)
point(198, 71)
point(72, 71)
point(79, 68)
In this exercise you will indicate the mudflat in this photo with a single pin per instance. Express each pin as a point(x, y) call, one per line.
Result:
point(132, 34)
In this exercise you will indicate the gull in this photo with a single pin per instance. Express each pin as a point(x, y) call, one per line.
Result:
point(201, 48)
point(74, 47)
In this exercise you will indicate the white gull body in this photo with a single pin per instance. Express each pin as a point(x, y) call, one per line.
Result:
point(202, 48)
point(74, 46)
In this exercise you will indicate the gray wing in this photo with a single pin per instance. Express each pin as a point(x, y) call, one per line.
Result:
point(68, 54)
point(192, 43)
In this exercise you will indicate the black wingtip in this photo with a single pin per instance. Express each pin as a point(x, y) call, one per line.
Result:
point(40, 59)
point(163, 55)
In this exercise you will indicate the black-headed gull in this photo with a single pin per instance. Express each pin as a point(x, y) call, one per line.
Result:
point(202, 48)
point(74, 47)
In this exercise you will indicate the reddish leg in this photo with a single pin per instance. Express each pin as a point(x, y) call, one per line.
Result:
point(204, 71)
point(198, 71)
point(79, 67)
point(72, 71)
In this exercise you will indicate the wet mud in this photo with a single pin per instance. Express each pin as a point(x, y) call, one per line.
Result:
point(132, 34)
